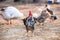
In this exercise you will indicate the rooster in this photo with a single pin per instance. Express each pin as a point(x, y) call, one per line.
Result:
point(29, 22)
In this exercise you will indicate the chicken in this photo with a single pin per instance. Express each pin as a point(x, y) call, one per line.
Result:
point(11, 13)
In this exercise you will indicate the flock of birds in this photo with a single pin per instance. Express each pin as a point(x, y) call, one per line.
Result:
point(13, 13)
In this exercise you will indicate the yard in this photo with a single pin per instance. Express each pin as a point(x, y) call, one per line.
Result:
point(17, 31)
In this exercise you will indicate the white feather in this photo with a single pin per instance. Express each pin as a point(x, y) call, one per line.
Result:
point(11, 12)
point(40, 10)
point(35, 15)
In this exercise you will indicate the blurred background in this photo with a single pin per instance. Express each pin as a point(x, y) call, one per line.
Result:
point(17, 31)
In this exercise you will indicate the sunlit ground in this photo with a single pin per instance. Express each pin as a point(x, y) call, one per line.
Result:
point(17, 31)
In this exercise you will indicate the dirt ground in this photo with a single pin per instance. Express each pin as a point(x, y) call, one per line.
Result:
point(17, 31)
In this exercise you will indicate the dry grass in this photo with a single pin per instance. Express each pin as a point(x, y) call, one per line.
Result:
point(17, 31)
